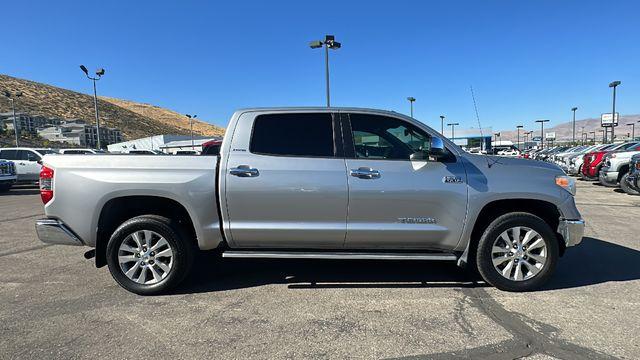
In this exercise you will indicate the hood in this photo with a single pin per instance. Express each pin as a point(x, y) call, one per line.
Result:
point(485, 160)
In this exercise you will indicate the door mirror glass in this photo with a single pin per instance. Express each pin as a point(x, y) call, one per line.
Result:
point(436, 148)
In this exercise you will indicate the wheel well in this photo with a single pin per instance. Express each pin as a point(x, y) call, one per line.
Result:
point(118, 210)
point(543, 209)
point(623, 170)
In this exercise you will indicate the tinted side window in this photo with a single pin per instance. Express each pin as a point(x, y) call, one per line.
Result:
point(9, 154)
point(381, 137)
point(27, 155)
point(293, 135)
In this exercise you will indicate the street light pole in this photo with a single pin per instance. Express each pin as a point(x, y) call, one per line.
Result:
point(411, 100)
point(328, 43)
point(13, 108)
point(633, 131)
point(191, 117)
point(99, 74)
point(542, 131)
point(594, 136)
point(574, 124)
point(453, 125)
point(442, 124)
point(518, 138)
point(613, 85)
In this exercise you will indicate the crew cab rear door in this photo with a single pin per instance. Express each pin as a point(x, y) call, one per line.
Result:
point(285, 181)
point(394, 202)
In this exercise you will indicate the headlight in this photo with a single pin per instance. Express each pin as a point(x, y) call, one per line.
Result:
point(567, 183)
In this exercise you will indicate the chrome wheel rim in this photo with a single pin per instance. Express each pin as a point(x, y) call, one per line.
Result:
point(519, 253)
point(145, 257)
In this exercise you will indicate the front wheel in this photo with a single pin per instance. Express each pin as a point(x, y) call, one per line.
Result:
point(625, 186)
point(517, 252)
point(149, 255)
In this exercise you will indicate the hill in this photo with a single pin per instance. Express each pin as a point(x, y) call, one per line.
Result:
point(564, 130)
point(167, 116)
point(51, 101)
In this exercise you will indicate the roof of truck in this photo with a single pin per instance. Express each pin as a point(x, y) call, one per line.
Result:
point(317, 108)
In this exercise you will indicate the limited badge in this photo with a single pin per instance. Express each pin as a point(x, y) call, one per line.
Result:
point(452, 180)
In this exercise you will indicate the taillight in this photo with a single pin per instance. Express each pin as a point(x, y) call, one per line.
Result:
point(46, 184)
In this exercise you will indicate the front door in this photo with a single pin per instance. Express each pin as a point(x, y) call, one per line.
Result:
point(395, 202)
point(286, 184)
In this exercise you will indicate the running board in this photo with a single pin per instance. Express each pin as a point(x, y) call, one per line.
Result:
point(338, 255)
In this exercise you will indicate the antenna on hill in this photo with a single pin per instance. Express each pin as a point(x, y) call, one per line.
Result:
point(475, 106)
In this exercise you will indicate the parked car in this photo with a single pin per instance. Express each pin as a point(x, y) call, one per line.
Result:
point(211, 147)
point(144, 152)
point(8, 175)
point(186, 152)
point(616, 165)
point(593, 161)
point(79, 151)
point(26, 161)
point(314, 183)
point(573, 161)
point(631, 182)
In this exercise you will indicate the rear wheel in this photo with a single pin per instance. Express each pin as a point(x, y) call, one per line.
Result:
point(517, 252)
point(149, 255)
point(625, 186)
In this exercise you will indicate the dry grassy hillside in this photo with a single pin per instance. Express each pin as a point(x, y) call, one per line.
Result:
point(51, 101)
point(167, 116)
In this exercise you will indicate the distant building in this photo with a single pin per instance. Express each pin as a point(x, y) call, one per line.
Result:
point(164, 143)
point(78, 132)
point(472, 138)
point(26, 123)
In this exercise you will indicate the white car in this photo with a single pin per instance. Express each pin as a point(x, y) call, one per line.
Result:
point(79, 151)
point(26, 161)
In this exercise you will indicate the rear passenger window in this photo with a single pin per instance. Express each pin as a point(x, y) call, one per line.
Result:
point(9, 154)
point(293, 135)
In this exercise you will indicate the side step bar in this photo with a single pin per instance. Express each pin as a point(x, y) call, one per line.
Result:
point(338, 255)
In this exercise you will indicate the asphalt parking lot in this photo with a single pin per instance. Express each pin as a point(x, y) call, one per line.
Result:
point(56, 304)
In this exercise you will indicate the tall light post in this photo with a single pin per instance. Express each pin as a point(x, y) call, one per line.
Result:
point(518, 138)
point(191, 117)
point(411, 100)
point(604, 135)
point(11, 98)
point(526, 138)
point(542, 121)
point(613, 85)
point(574, 124)
point(594, 136)
point(582, 134)
point(328, 43)
point(633, 130)
point(442, 124)
point(453, 125)
point(99, 74)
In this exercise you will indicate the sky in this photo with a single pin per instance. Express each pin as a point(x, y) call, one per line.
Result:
point(526, 60)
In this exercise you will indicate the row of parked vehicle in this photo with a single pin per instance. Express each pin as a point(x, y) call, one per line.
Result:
point(23, 164)
point(612, 165)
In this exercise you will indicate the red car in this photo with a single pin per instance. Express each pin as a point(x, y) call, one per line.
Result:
point(593, 161)
point(211, 147)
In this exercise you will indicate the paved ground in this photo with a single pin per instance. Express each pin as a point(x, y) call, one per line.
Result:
point(55, 304)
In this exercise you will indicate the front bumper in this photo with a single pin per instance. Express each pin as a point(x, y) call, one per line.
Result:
point(53, 231)
point(572, 231)
point(608, 177)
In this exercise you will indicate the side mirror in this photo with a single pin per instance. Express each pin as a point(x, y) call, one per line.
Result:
point(437, 147)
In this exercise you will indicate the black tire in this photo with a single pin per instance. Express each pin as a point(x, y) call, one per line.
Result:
point(181, 246)
point(484, 257)
point(624, 186)
point(5, 188)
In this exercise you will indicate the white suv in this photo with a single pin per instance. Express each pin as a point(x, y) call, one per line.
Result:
point(26, 161)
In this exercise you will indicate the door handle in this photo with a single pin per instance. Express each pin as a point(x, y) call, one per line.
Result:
point(21, 164)
point(244, 171)
point(365, 173)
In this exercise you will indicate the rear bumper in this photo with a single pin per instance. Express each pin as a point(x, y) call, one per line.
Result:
point(572, 231)
point(53, 231)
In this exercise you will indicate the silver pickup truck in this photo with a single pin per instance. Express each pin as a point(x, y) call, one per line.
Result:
point(313, 183)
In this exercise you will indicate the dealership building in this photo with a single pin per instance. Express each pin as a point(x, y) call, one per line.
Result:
point(471, 138)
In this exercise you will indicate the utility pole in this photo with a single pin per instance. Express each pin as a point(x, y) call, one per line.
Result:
point(191, 117)
point(411, 100)
point(574, 124)
point(11, 97)
point(328, 43)
point(99, 74)
point(613, 85)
